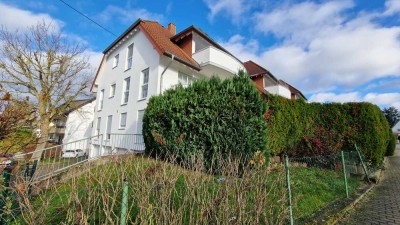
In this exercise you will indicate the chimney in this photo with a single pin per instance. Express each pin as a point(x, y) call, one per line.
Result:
point(172, 28)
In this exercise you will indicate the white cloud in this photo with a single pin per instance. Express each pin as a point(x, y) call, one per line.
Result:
point(234, 9)
point(332, 97)
point(95, 58)
point(302, 21)
point(392, 7)
point(381, 99)
point(322, 49)
point(127, 15)
point(14, 18)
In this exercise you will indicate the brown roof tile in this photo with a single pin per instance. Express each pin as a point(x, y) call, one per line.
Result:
point(253, 69)
point(162, 39)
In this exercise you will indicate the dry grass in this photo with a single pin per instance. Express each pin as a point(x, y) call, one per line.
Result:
point(162, 193)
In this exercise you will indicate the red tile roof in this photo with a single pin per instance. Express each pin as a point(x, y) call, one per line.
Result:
point(161, 37)
point(254, 70)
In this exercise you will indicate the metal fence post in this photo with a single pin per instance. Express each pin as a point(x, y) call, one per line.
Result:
point(33, 170)
point(362, 163)
point(344, 175)
point(124, 202)
point(288, 189)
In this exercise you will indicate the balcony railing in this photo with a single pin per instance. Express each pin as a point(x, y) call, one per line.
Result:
point(212, 56)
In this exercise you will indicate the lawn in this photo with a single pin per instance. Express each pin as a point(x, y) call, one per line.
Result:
point(163, 193)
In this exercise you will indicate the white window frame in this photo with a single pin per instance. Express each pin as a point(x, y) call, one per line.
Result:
point(137, 123)
point(144, 85)
point(108, 128)
point(112, 90)
point(125, 91)
point(185, 79)
point(101, 100)
point(115, 61)
point(120, 120)
point(129, 57)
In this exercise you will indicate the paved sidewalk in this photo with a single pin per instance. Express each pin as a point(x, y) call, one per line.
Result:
point(382, 204)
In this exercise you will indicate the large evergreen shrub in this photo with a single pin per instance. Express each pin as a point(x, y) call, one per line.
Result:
point(297, 128)
point(208, 118)
point(392, 144)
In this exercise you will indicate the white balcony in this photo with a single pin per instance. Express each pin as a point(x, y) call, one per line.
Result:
point(214, 61)
point(278, 90)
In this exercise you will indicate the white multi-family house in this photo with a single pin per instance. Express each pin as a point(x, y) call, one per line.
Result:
point(144, 61)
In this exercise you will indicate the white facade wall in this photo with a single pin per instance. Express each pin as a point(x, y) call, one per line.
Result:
point(79, 123)
point(144, 56)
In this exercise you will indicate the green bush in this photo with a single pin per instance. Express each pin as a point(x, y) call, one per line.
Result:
point(392, 144)
point(297, 128)
point(209, 118)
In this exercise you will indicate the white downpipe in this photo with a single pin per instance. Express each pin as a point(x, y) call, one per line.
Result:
point(165, 69)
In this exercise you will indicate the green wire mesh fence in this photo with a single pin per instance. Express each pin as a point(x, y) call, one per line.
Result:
point(138, 190)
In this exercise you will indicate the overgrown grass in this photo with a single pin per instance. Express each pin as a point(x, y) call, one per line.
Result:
point(163, 193)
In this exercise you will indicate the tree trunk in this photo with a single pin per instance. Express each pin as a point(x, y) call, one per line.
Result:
point(44, 136)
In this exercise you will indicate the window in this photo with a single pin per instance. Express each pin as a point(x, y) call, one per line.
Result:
point(185, 79)
point(98, 125)
point(108, 127)
point(140, 122)
point(268, 81)
point(116, 61)
point(145, 83)
point(122, 120)
point(129, 57)
point(101, 98)
point(112, 90)
point(125, 91)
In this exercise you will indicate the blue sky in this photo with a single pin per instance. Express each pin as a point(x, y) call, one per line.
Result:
point(333, 51)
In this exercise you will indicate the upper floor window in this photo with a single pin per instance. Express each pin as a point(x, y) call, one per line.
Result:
point(145, 83)
point(101, 98)
point(125, 90)
point(116, 61)
point(129, 57)
point(112, 90)
point(185, 79)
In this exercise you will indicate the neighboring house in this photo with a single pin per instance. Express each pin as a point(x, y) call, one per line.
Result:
point(268, 83)
point(295, 94)
point(57, 130)
point(144, 61)
point(396, 131)
point(59, 126)
point(79, 122)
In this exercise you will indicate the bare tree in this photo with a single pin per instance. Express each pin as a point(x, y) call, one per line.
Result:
point(43, 64)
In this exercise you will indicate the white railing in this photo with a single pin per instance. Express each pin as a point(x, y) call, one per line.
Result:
point(52, 160)
point(214, 56)
point(122, 143)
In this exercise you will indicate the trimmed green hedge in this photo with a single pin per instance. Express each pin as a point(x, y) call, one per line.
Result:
point(208, 118)
point(297, 128)
point(392, 144)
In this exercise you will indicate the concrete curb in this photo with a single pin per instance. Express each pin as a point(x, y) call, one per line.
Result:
point(344, 212)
